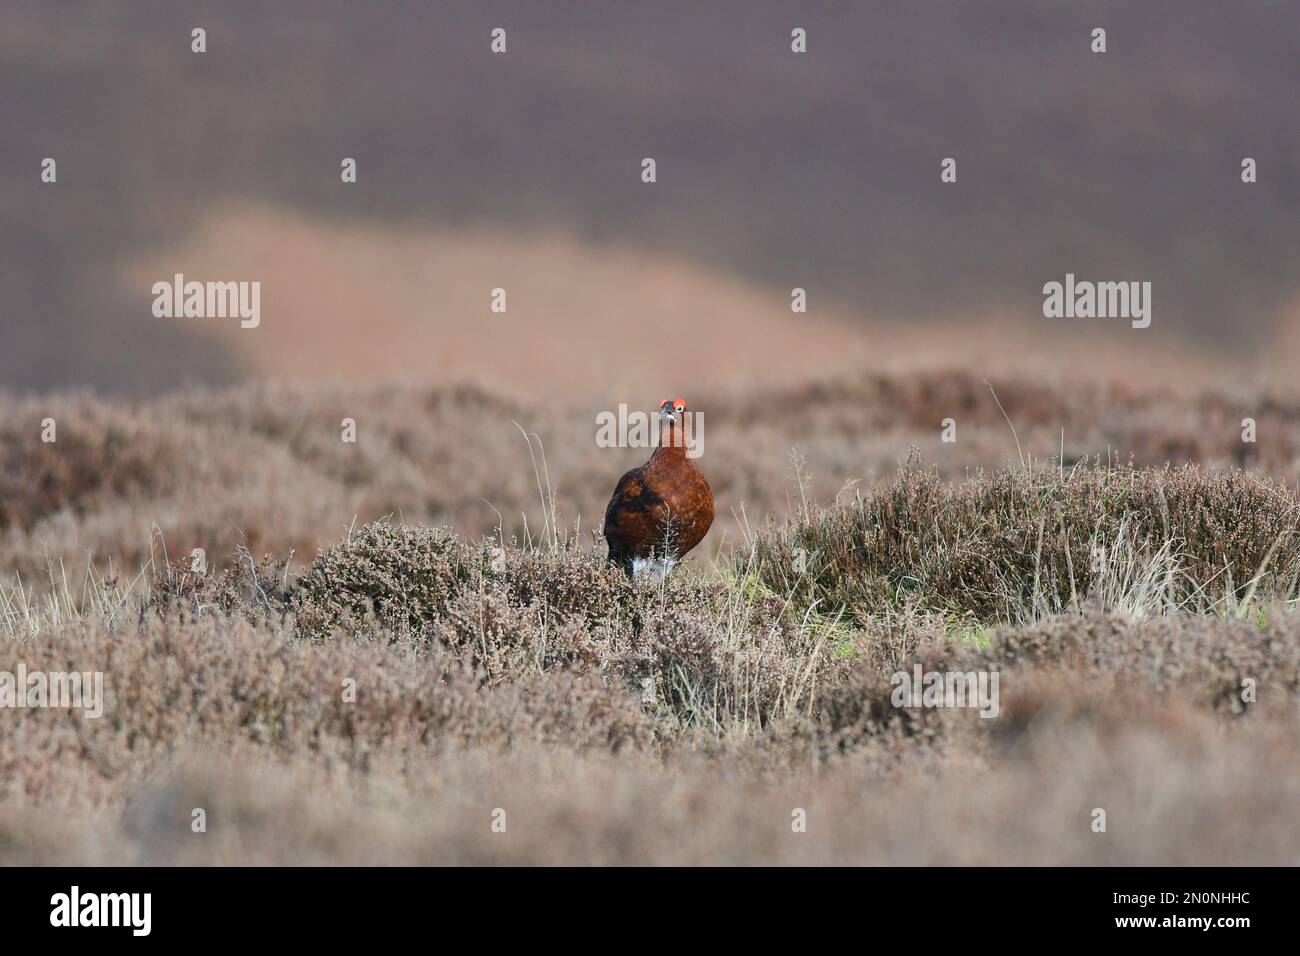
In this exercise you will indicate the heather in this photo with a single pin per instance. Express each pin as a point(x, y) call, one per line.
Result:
point(1025, 542)
point(377, 695)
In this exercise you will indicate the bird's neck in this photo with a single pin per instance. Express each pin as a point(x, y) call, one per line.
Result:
point(672, 444)
point(669, 454)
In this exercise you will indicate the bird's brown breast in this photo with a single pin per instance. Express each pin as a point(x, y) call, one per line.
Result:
point(664, 507)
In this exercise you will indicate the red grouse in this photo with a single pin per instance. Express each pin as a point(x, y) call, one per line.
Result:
point(663, 509)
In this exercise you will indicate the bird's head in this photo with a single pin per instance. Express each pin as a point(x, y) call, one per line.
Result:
point(672, 410)
point(677, 436)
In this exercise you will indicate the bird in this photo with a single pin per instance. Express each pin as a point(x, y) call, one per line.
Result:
point(663, 509)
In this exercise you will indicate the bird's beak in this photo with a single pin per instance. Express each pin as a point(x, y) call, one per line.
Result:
point(666, 413)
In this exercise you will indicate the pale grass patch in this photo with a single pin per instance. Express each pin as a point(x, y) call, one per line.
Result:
point(26, 613)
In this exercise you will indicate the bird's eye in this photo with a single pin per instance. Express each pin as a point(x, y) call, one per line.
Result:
point(681, 408)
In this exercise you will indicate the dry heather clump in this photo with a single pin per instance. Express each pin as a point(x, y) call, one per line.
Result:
point(1023, 543)
point(258, 589)
point(568, 583)
point(98, 454)
point(402, 576)
point(414, 578)
point(223, 682)
point(706, 655)
point(1209, 661)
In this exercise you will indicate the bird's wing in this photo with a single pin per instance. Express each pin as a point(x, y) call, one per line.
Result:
point(632, 517)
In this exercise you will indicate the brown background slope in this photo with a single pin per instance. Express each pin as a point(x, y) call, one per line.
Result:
point(775, 170)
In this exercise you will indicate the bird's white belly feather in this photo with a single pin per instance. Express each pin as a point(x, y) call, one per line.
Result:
point(654, 568)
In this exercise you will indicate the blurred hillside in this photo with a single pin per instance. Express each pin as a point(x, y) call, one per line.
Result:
point(775, 170)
